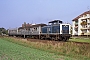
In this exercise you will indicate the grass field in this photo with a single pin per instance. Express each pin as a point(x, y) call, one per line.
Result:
point(12, 51)
point(17, 49)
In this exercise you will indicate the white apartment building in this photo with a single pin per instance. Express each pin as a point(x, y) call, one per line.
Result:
point(81, 24)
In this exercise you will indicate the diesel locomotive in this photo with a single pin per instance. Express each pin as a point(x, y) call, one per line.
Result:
point(55, 30)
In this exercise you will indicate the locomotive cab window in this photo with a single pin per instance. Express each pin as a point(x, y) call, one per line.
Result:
point(65, 29)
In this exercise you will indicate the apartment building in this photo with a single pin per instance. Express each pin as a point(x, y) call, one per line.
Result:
point(81, 24)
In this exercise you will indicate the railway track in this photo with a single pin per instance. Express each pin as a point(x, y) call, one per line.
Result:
point(55, 42)
point(52, 42)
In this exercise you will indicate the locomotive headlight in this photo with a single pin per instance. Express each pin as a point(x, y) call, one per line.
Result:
point(65, 26)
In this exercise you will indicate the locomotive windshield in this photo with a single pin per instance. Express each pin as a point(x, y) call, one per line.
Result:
point(65, 29)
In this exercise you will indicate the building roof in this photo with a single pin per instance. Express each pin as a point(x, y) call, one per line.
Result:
point(21, 28)
point(87, 12)
point(37, 25)
point(55, 21)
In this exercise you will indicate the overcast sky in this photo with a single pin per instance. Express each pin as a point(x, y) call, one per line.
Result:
point(15, 12)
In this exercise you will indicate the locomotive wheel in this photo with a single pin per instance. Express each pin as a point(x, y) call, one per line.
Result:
point(42, 38)
point(60, 39)
point(53, 38)
point(64, 39)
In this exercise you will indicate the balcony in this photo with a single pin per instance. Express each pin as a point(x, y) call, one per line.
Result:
point(83, 23)
point(88, 28)
point(76, 24)
point(83, 28)
point(75, 33)
point(82, 33)
point(87, 33)
point(76, 28)
point(88, 21)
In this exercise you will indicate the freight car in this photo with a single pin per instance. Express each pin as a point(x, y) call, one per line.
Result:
point(32, 31)
point(55, 30)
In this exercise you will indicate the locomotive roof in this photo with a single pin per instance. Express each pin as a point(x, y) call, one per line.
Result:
point(55, 21)
point(37, 25)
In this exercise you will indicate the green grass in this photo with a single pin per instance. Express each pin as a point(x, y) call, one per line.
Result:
point(13, 51)
point(62, 50)
point(87, 40)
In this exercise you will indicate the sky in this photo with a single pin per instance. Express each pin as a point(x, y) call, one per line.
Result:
point(13, 13)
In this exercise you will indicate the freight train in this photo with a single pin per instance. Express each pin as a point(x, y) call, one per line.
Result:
point(55, 30)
